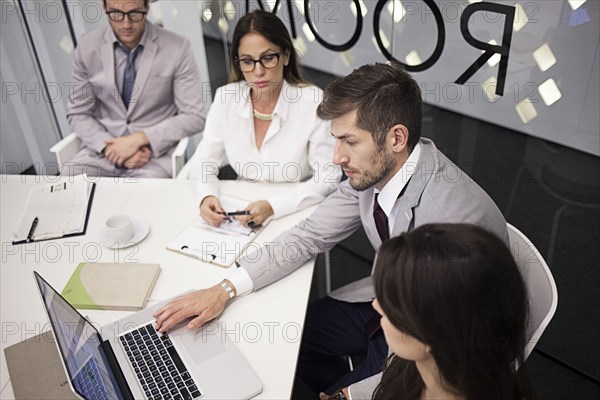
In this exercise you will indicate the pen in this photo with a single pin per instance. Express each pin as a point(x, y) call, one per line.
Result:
point(32, 230)
point(234, 213)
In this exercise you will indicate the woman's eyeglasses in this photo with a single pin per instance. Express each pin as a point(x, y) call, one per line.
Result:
point(133, 16)
point(268, 61)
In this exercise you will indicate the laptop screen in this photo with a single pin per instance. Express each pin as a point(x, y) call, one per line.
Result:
point(80, 345)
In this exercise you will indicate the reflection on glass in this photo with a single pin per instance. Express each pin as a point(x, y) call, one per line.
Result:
point(526, 110)
point(413, 58)
point(544, 57)
point(575, 4)
point(308, 33)
point(489, 88)
point(230, 10)
point(347, 58)
point(300, 46)
point(396, 10)
point(207, 15)
point(223, 25)
point(550, 92)
point(363, 8)
point(495, 59)
point(384, 39)
point(520, 17)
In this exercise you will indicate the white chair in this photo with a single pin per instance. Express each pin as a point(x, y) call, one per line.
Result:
point(543, 297)
point(68, 147)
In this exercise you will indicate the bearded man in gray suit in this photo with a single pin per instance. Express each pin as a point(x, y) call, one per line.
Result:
point(136, 93)
point(397, 181)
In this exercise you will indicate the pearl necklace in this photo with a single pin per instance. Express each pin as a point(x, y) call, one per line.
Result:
point(261, 116)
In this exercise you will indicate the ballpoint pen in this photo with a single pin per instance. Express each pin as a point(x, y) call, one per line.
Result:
point(32, 230)
point(234, 213)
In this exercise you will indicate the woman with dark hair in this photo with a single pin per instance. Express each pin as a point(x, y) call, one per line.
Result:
point(454, 312)
point(264, 125)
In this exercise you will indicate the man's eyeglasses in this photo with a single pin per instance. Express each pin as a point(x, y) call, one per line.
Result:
point(268, 61)
point(133, 16)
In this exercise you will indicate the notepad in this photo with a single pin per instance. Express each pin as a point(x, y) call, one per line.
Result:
point(59, 209)
point(220, 245)
point(111, 286)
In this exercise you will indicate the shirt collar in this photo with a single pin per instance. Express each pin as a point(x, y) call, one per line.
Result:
point(391, 191)
point(288, 92)
point(142, 42)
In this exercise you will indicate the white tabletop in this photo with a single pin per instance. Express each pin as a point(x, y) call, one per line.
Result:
point(266, 325)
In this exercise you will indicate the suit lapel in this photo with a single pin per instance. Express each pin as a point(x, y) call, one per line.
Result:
point(426, 167)
point(108, 64)
point(148, 56)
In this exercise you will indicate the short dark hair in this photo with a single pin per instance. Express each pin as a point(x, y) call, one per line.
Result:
point(383, 95)
point(145, 3)
point(456, 288)
point(271, 27)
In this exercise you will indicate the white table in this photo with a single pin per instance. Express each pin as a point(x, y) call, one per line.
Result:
point(266, 325)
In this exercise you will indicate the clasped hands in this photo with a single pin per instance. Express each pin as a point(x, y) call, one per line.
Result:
point(131, 151)
point(213, 213)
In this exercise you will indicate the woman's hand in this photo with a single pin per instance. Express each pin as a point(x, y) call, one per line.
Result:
point(211, 210)
point(259, 211)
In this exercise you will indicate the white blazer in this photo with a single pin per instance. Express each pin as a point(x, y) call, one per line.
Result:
point(298, 146)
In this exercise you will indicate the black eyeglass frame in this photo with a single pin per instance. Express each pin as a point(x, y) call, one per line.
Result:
point(237, 60)
point(128, 14)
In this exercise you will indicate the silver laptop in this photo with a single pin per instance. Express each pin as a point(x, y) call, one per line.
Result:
point(128, 359)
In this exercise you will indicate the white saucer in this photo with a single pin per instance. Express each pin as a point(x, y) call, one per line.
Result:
point(140, 231)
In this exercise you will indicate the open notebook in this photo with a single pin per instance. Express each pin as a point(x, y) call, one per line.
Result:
point(220, 245)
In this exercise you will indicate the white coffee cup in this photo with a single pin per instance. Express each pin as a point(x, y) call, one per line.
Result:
point(119, 228)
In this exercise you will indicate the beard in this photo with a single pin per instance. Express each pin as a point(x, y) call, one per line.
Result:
point(382, 162)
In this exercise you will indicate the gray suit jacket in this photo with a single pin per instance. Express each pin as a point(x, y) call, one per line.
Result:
point(167, 98)
point(437, 192)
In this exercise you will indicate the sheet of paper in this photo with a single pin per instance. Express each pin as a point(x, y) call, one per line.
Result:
point(60, 207)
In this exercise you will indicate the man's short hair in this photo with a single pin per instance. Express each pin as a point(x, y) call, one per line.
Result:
point(383, 95)
point(145, 3)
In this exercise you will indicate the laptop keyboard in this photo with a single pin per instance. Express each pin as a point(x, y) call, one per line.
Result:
point(158, 366)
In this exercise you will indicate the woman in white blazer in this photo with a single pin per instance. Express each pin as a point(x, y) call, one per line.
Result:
point(264, 125)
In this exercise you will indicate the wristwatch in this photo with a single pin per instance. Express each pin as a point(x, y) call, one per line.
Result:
point(338, 395)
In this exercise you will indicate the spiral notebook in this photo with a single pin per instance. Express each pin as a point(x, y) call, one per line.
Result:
point(221, 245)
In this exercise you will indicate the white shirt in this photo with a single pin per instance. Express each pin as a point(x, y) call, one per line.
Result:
point(298, 147)
point(388, 201)
point(389, 194)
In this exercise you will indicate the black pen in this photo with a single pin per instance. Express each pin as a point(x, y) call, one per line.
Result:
point(234, 213)
point(32, 230)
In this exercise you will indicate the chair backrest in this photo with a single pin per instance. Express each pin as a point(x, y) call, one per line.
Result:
point(541, 288)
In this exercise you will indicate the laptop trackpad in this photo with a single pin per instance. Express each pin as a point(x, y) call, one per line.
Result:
point(203, 344)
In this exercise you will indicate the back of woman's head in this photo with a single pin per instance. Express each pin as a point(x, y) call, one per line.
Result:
point(457, 289)
point(271, 28)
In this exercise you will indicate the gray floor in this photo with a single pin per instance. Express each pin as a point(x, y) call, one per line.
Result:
point(548, 191)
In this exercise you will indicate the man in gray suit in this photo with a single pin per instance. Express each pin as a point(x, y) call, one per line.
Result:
point(136, 93)
point(396, 182)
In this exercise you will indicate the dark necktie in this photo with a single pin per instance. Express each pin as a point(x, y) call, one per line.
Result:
point(381, 220)
point(129, 77)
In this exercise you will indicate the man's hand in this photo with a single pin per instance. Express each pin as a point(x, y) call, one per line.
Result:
point(259, 211)
point(211, 209)
point(118, 150)
point(139, 159)
point(325, 396)
point(205, 305)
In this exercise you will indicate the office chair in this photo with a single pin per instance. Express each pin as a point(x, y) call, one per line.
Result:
point(69, 146)
point(541, 288)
